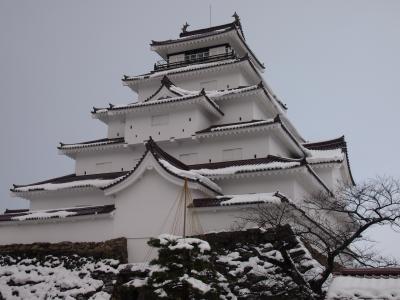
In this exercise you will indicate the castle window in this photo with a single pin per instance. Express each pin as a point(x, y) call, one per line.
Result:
point(198, 55)
point(130, 127)
point(117, 133)
point(190, 119)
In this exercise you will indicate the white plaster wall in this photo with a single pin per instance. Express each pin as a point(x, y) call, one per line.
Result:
point(182, 123)
point(76, 230)
point(142, 212)
point(261, 184)
point(113, 160)
point(115, 128)
point(212, 148)
point(69, 198)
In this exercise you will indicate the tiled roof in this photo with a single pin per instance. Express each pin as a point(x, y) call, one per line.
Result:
point(243, 162)
point(327, 145)
point(219, 201)
point(198, 66)
point(338, 143)
point(52, 214)
point(93, 143)
point(70, 178)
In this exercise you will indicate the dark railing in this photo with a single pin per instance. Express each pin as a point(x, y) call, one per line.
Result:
point(164, 65)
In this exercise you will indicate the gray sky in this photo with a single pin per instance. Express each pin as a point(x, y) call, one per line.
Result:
point(334, 63)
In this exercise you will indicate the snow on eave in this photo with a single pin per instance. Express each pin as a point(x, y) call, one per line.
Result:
point(54, 187)
point(190, 68)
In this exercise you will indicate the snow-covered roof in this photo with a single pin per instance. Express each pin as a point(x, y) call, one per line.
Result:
point(334, 150)
point(226, 168)
point(69, 182)
point(60, 213)
point(200, 96)
point(237, 125)
point(94, 143)
point(241, 199)
point(233, 29)
point(360, 284)
point(190, 68)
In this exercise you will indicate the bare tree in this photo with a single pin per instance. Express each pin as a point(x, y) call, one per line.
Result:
point(332, 224)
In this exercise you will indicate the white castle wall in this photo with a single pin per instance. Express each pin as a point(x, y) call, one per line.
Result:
point(76, 230)
point(113, 160)
point(143, 210)
point(161, 125)
point(69, 198)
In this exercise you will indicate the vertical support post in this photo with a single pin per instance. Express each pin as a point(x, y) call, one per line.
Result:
point(185, 188)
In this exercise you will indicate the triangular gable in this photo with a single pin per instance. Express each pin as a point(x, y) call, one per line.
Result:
point(164, 91)
point(167, 167)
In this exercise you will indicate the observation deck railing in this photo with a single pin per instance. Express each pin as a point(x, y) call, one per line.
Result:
point(165, 64)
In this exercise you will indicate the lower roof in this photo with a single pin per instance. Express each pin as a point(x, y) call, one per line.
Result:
point(69, 181)
point(28, 215)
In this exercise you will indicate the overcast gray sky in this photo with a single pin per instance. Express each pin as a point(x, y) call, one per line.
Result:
point(334, 63)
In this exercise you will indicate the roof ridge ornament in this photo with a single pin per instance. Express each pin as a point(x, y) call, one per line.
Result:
point(236, 16)
point(185, 26)
point(166, 81)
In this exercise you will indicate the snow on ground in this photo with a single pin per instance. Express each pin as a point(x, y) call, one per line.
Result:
point(179, 242)
point(53, 277)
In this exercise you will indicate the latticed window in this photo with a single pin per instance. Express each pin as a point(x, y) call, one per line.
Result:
point(197, 56)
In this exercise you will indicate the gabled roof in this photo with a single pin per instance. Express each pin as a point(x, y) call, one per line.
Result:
point(68, 182)
point(171, 165)
point(29, 215)
point(93, 143)
point(189, 68)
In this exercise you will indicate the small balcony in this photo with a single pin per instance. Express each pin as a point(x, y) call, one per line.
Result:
point(189, 60)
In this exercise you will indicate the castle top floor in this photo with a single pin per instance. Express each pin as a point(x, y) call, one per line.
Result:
point(210, 44)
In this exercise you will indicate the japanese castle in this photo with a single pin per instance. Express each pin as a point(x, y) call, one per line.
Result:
point(205, 140)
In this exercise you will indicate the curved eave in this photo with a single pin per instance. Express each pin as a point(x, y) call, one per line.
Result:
point(337, 143)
